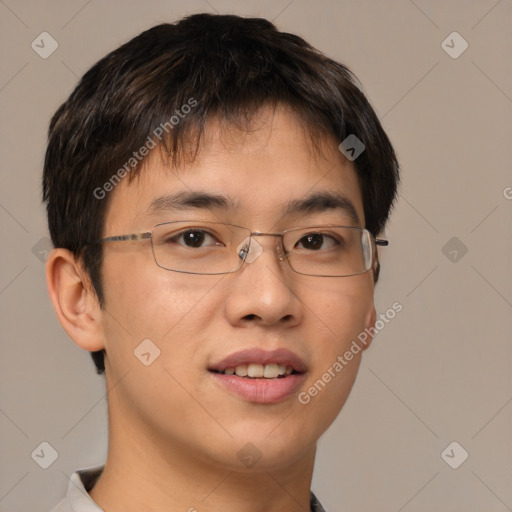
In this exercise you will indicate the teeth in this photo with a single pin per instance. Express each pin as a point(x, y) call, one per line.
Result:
point(257, 371)
point(241, 370)
point(271, 371)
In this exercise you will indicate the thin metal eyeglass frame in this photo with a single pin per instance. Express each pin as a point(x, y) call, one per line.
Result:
point(145, 235)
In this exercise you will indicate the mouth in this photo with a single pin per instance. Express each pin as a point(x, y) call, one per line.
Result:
point(259, 376)
point(259, 371)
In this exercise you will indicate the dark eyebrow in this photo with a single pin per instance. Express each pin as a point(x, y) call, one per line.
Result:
point(324, 201)
point(316, 203)
point(189, 200)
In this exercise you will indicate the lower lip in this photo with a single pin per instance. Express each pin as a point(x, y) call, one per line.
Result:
point(261, 391)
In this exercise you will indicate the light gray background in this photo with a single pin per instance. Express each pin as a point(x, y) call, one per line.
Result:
point(439, 372)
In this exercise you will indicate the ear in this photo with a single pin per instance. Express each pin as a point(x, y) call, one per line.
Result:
point(74, 300)
point(371, 318)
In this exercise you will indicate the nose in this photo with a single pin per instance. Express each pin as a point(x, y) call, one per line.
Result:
point(263, 291)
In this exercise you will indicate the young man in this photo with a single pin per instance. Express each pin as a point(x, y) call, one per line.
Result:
point(214, 188)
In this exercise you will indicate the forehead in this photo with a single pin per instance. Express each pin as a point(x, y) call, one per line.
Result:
point(256, 173)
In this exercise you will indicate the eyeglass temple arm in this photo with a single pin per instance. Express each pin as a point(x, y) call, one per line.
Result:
point(122, 238)
point(380, 241)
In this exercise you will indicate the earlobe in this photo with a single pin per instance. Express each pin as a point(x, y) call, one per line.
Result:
point(370, 327)
point(74, 300)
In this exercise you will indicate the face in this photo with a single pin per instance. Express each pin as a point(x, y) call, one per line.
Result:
point(264, 313)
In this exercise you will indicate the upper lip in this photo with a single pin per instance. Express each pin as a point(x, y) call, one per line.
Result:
point(256, 355)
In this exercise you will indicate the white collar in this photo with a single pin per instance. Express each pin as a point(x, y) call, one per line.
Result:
point(82, 481)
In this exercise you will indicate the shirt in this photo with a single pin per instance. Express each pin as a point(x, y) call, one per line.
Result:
point(82, 481)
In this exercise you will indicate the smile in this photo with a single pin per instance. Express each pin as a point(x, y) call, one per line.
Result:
point(258, 371)
point(260, 376)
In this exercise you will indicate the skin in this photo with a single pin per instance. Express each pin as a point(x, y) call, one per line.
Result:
point(174, 433)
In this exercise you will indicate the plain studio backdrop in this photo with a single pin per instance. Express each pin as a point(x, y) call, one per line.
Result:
point(428, 424)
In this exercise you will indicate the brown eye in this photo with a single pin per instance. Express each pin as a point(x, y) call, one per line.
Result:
point(316, 242)
point(194, 238)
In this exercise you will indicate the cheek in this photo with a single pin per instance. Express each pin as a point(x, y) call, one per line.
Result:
point(338, 315)
point(341, 309)
point(173, 311)
point(143, 301)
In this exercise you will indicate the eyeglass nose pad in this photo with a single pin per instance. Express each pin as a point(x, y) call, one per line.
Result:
point(280, 251)
point(367, 251)
point(249, 250)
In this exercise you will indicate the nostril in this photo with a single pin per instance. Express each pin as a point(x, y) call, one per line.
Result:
point(252, 317)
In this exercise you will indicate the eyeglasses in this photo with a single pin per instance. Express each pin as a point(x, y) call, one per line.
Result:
point(210, 248)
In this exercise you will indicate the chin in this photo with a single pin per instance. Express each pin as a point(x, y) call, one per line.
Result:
point(260, 450)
